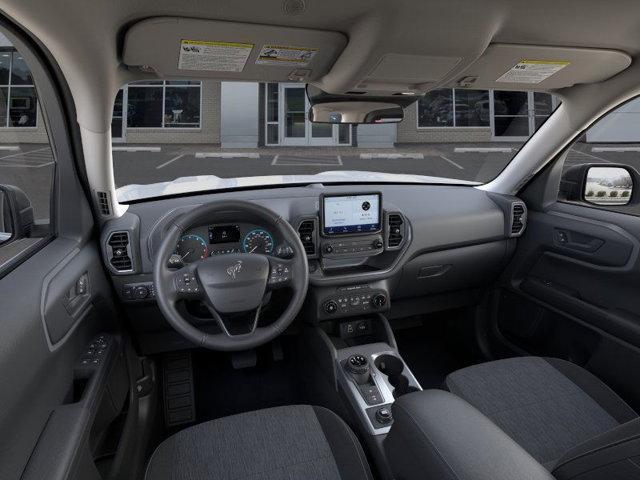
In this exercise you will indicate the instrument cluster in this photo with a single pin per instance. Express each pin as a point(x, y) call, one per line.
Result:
point(207, 241)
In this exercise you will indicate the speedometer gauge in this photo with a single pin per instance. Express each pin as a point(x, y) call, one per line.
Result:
point(258, 241)
point(192, 248)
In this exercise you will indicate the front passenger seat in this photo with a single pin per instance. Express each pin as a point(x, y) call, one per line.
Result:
point(294, 442)
point(547, 405)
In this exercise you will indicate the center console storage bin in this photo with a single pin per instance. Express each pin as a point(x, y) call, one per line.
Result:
point(436, 434)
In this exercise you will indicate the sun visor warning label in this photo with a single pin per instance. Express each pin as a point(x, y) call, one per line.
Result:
point(213, 56)
point(285, 56)
point(532, 71)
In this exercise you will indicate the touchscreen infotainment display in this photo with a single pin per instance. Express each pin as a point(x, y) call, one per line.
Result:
point(351, 214)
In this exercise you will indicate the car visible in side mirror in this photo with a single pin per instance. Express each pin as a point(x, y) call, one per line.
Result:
point(608, 186)
point(16, 214)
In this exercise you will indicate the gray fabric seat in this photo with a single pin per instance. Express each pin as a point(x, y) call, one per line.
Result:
point(548, 406)
point(293, 442)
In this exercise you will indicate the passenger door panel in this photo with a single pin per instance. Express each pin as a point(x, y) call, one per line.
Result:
point(571, 291)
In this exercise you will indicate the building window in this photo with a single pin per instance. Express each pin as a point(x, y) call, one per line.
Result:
point(164, 104)
point(454, 108)
point(272, 105)
point(18, 100)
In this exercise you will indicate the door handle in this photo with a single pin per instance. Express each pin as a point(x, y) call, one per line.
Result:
point(78, 295)
point(576, 241)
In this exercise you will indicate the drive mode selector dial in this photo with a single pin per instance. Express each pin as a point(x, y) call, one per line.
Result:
point(357, 364)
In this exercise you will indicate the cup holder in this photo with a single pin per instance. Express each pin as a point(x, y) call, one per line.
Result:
point(393, 367)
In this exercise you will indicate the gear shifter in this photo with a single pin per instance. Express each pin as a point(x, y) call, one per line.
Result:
point(358, 366)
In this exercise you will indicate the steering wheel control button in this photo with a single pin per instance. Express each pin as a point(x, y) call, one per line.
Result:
point(280, 274)
point(187, 284)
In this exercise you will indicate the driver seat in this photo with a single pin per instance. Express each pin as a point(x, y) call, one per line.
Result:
point(293, 442)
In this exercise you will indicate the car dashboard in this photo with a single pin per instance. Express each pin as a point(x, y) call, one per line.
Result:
point(420, 248)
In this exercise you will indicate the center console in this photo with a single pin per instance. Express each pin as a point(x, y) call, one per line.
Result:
point(372, 377)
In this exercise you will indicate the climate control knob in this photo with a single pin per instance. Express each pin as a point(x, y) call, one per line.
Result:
point(331, 307)
point(379, 300)
point(328, 248)
point(377, 244)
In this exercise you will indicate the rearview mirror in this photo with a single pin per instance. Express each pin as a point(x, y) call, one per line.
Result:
point(16, 214)
point(608, 186)
point(356, 109)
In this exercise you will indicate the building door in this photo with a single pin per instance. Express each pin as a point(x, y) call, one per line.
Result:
point(515, 116)
point(119, 117)
point(295, 127)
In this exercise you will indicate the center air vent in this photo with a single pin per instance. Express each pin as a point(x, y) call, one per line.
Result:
point(306, 230)
point(118, 252)
point(395, 229)
point(519, 219)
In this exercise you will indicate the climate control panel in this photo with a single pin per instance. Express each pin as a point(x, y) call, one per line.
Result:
point(353, 247)
point(354, 300)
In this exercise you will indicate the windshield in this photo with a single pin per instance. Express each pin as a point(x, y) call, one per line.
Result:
point(185, 136)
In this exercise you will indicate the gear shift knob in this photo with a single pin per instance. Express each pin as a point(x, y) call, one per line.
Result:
point(358, 366)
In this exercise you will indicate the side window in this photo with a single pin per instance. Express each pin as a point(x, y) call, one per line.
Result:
point(27, 166)
point(602, 168)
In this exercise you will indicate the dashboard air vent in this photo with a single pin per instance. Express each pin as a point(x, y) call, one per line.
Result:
point(395, 230)
point(103, 203)
point(518, 222)
point(307, 236)
point(118, 251)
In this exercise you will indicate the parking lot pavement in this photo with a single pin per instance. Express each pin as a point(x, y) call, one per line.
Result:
point(31, 167)
point(179, 161)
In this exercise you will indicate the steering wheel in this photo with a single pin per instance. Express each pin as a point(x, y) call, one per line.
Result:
point(232, 286)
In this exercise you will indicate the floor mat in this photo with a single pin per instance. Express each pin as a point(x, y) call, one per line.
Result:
point(221, 390)
point(435, 348)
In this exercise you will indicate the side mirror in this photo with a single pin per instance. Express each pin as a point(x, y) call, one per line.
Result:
point(16, 214)
point(599, 184)
point(356, 109)
point(608, 186)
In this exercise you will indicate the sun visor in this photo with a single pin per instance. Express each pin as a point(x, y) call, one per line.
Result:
point(191, 48)
point(528, 67)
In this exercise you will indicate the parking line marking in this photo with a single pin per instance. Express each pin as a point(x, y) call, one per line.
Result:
point(615, 149)
point(391, 156)
point(170, 161)
point(297, 161)
point(136, 149)
point(17, 165)
point(452, 162)
point(227, 155)
point(25, 153)
point(11, 148)
point(482, 149)
point(589, 155)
